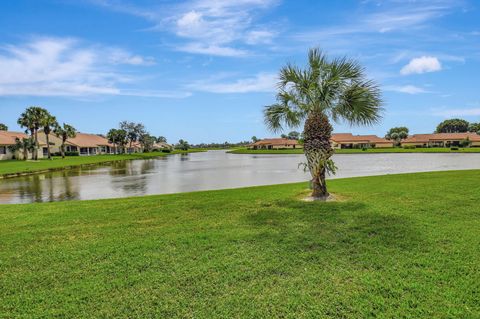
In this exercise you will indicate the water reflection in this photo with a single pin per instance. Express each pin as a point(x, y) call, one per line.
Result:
point(209, 170)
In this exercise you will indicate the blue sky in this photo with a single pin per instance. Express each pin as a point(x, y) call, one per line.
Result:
point(202, 70)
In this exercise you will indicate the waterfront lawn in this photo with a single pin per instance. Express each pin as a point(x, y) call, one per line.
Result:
point(398, 246)
point(360, 151)
point(16, 166)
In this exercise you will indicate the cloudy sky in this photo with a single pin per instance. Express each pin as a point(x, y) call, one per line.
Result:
point(202, 70)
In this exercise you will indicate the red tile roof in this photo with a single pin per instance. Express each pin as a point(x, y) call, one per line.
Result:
point(425, 138)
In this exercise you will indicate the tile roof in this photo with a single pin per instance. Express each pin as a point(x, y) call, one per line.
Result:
point(425, 138)
point(349, 137)
point(276, 141)
point(88, 140)
point(8, 137)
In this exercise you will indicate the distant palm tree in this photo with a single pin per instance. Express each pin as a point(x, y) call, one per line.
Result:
point(32, 120)
point(3, 127)
point(326, 89)
point(49, 123)
point(64, 133)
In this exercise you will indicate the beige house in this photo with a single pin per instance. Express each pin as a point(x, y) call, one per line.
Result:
point(161, 146)
point(275, 143)
point(348, 140)
point(7, 139)
point(89, 144)
point(441, 140)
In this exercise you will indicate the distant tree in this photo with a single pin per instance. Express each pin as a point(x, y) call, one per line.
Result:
point(134, 131)
point(284, 136)
point(24, 144)
point(147, 142)
point(161, 139)
point(452, 126)
point(49, 122)
point(3, 127)
point(397, 134)
point(182, 145)
point(118, 138)
point(64, 132)
point(254, 139)
point(293, 135)
point(32, 120)
point(474, 127)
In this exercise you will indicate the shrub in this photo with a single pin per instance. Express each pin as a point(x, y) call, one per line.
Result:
point(72, 154)
point(364, 148)
point(166, 150)
point(409, 147)
point(454, 148)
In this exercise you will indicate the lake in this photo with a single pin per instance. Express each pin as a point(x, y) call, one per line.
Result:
point(207, 171)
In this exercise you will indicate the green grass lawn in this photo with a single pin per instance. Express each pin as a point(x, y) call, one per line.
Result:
point(16, 166)
point(359, 151)
point(398, 246)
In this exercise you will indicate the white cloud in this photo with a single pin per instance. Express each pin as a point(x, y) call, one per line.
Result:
point(120, 56)
point(210, 27)
point(200, 48)
point(262, 82)
point(63, 67)
point(458, 112)
point(421, 65)
point(408, 89)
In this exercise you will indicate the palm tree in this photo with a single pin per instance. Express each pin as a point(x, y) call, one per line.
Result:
point(3, 127)
point(32, 120)
point(24, 144)
point(325, 90)
point(64, 133)
point(49, 123)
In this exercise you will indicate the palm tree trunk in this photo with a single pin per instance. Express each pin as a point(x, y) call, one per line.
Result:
point(318, 150)
point(48, 146)
point(62, 149)
point(35, 152)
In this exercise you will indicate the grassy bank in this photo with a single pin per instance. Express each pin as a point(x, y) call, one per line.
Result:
point(367, 151)
point(20, 167)
point(397, 246)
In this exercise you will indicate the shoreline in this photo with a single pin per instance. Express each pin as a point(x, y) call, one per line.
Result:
point(137, 156)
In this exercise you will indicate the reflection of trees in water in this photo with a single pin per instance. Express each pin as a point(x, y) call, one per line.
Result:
point(47, 187)
point(184, 157)
point(118, 168)
point(131, 175)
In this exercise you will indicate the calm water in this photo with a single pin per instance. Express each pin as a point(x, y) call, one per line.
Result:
point(208, 170)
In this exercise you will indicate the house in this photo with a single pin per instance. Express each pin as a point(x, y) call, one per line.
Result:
point(89, 144)
point(8, 138)
point(161, 146)
point(348, 140)
point(275, 143)
point(441, 140)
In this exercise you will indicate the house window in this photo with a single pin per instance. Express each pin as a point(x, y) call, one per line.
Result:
point(3, 150)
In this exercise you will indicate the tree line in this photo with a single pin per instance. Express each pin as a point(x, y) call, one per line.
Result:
point(35, 119)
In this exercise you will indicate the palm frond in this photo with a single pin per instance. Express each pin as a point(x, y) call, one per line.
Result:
point(359, 104)
point(277, 116)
